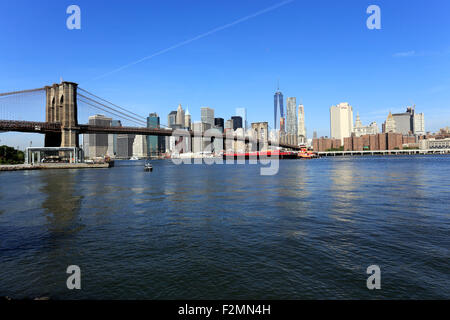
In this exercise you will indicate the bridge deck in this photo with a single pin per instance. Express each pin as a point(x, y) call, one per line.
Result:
point(46, 127)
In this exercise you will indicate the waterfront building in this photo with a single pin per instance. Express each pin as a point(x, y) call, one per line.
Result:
point(404, 121)
point(155, 144)
point(207, 116)
point(187, 120)
point(200, 143)
point(239, 145)
point(262, 134)
point(237, 122)
point(301, 125)
point(140, 146)
point(325, 144)
point(360, 130)
point(98, 142)
point(433, 143)
point(419, 124)
point(228, 125)
point(85, 145)
point(389, 124)
point(282, 125)
point(172, 119)
point(380, 141)
point(277, 105)
point(242, 112)
point(180, 117)
point(125, 146)
point(341, 121)
point(408, 122)
point(112, 140)
point(219, 124)
point(291, 116)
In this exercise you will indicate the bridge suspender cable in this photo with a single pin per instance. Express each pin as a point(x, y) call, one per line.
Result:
point(111, 112)
point(117, 111)
point(115, 105)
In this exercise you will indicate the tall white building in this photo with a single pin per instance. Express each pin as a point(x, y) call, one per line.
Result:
point(419, 124)
point(291, 116)
point(140, 146)
point(341, 121)
point(301, 125)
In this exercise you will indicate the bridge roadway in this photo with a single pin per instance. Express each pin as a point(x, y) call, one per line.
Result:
point(47, 127)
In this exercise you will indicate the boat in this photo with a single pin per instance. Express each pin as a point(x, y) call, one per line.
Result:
point(148, 167)
point(134, 158)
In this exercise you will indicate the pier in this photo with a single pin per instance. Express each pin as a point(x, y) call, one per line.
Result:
point(382, 152)
point(47, 166)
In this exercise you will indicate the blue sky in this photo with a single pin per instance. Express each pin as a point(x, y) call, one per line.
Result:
point(321, 52)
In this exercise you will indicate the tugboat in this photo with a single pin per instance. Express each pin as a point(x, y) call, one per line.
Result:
point(148, 167)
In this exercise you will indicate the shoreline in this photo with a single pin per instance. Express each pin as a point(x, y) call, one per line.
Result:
point(49, 166)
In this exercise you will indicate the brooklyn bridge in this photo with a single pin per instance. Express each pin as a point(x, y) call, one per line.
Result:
point(62, 128)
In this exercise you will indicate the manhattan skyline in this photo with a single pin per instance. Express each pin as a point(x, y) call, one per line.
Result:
point(322, 53)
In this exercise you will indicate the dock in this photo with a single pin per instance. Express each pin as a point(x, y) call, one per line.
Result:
point(383, 152)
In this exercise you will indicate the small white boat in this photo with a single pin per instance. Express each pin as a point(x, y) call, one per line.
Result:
point(134, 158)
point(148, 167)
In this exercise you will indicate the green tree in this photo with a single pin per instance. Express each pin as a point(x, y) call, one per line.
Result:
point(10, 155)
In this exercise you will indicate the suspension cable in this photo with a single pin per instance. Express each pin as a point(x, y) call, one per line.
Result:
point(100, 108)
point(117, 111)
point(111, 103)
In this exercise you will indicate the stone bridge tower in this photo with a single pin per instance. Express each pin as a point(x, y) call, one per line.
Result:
point(61, 107)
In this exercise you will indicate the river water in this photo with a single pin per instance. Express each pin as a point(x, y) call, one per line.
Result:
point(226, 232)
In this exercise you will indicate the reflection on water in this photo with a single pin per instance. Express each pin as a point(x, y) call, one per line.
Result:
point(224, 231)
point(62, 204)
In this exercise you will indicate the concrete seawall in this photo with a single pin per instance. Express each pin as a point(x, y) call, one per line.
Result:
point(47, 166)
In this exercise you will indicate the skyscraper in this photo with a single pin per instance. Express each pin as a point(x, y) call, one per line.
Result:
point(341, 121)
point(172, 119)
point(237, 122)
point(207, 116)
point(409, 122)
point(155, 144)
point(278, 104)
point(98, 142)
point(390, 125)
point(140, 146)
point(301, 125)
point(419, 124)
point(112, 139)
point(242, 112)
point(219, 124)
point(291, 116)
point(180, 116)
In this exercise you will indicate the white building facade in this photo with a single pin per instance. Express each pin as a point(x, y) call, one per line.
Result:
point(341, 121)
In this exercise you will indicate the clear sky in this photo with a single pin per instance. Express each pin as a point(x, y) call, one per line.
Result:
point(321, 52)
